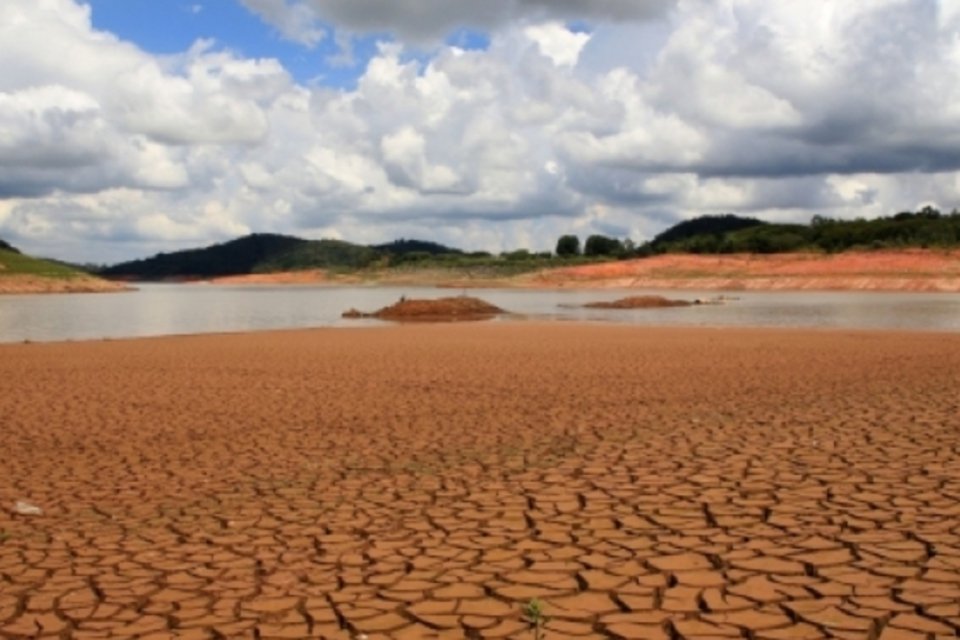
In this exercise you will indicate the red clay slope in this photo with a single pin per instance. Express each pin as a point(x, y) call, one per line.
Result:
point(914, 270)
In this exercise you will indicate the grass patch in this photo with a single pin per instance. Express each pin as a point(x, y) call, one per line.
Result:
point(534, 616)
point(18, 264)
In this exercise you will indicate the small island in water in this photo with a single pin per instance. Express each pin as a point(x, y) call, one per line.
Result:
point(453, 309)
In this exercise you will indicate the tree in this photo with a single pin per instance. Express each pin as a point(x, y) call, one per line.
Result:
point(598, 245)
point(568, 246)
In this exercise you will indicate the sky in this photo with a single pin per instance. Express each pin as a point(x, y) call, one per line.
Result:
point(129, 127)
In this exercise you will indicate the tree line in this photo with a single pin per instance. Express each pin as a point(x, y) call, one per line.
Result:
point(927, 228)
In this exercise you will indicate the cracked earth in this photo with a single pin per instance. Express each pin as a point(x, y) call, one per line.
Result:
point(430, 481)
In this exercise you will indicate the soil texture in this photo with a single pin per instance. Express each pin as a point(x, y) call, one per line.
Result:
point(431, 481)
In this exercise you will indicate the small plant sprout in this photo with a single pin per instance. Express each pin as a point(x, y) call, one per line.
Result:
point(533, 614)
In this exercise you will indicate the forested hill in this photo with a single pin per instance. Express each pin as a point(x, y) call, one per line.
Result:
point(6, 246)
point(927, 228)
point(266, 253)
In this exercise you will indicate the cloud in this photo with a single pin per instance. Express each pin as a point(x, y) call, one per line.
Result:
point(296, 21)
point(661, 111)
point(425, 21)
point(557, 42)
point(92, 112)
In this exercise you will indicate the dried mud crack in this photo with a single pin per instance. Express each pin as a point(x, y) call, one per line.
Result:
point(429, 481)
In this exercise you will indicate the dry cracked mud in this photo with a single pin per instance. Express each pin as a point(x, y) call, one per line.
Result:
point(429, 481)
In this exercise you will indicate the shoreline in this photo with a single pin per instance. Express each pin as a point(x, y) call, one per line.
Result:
point(376, 325)
point(885, 271)
point(38, 285)
point(916, 270)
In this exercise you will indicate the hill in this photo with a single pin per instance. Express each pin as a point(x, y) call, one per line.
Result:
point(404, 247)
point(21, 273)
point(6, 246)
point(705, 226)
point(268, 253)
point(260, 254)
point(924, 229)
point(242, 255)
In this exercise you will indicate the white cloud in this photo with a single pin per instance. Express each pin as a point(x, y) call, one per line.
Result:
point(770, 107)
point(557, 42)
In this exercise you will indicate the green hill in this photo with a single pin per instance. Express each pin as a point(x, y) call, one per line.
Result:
point(6, 246)
point(319, 254)
point(12, 262)
point(266, 253)
point(229, 258)
point(404, 247)
point(705, 226)
point(927, 228)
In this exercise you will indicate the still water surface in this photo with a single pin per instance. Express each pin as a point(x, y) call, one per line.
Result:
point(166, 309)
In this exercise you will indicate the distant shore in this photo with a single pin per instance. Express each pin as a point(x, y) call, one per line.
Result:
point(910, 270)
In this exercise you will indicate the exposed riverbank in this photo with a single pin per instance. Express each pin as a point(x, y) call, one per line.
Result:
point(909, 270)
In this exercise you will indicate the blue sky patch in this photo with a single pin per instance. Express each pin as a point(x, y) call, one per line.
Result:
point(168, 27)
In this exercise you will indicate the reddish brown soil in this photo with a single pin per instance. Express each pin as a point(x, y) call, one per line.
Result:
point(428, 481)
point(455, 309)
point(34, 284)
point(309, 276)
point(874, 271)
point(639, 302)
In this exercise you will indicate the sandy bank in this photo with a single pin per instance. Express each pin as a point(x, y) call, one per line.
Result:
point(418, 481)
point(18, 284)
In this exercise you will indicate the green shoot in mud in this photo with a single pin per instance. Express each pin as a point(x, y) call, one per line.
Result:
point(533, 614)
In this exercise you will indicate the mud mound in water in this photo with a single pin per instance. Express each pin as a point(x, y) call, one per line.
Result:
point(458, 309)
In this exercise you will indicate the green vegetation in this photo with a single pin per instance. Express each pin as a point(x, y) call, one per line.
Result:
point(6, 246)
point(264, 253)
point(319, 254)
point(404, 247)
point(568, 246)
point(597, 245)
point(15, 263)
point(705, 226)
point(533, 614)
point(927, 228)
point(242, 255)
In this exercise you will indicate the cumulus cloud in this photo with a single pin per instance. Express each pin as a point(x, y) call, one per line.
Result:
point(770, 107)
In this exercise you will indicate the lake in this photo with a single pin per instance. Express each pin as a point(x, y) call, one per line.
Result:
point(167, 309)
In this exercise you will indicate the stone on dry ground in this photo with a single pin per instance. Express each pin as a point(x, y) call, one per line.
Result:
point(428, 481)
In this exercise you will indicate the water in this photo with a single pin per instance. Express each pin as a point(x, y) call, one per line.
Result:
point(166, 309)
